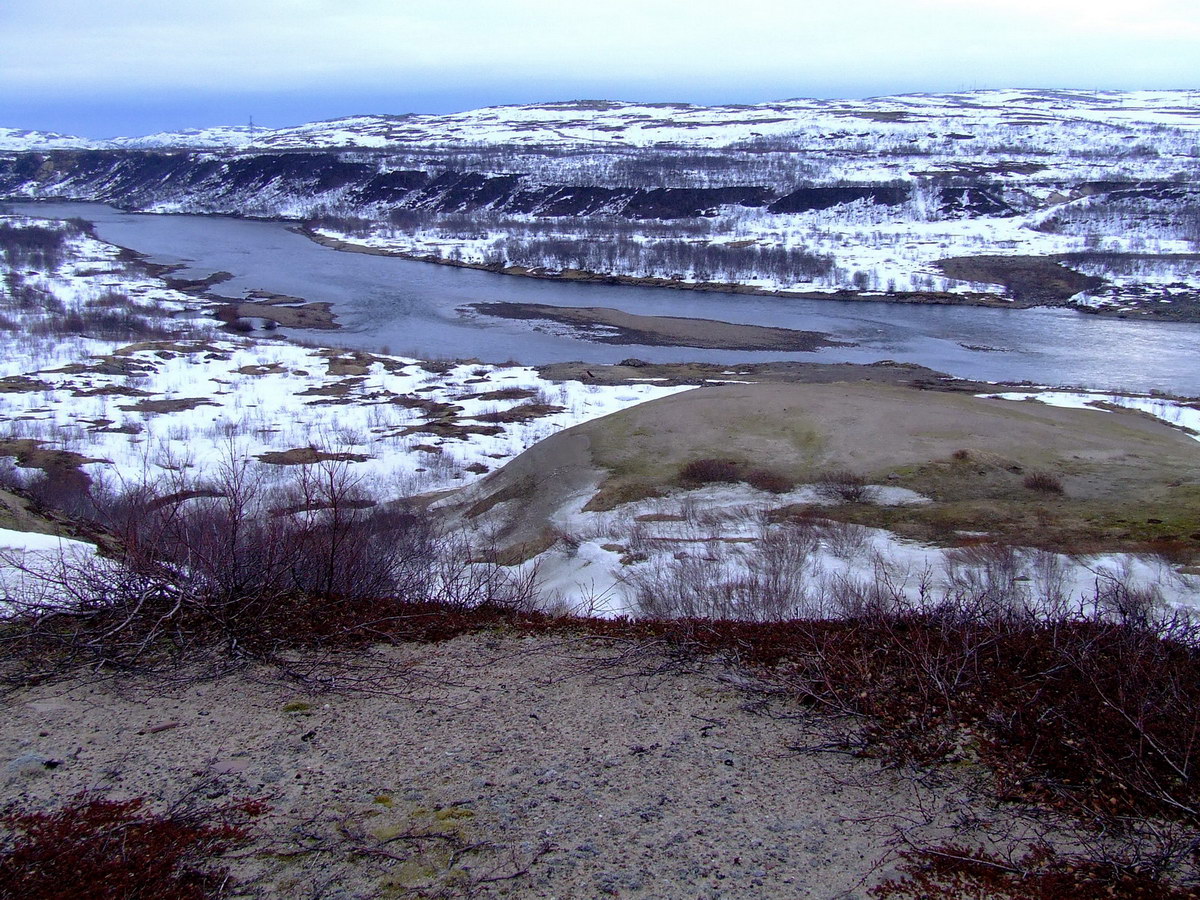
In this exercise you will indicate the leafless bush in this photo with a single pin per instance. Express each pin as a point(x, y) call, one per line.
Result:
point(844, 486)
point(987, 580)
point(241, 564)
point(844, 539)
point(686, 586)
point(852, 597)
point(1044, 482)
point(1118, 600)
point(34, 246)
point(103, 324)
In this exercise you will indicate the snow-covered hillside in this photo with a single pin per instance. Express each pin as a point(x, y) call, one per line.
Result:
point(846, 197)
point(584, 123)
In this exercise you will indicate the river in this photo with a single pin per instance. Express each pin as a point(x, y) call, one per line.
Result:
point(416, 309)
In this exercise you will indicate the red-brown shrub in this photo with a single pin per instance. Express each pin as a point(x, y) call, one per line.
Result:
point(770, 481)
point(849, 487)
point(98, 849)
point(950, 872)
point(706, 471)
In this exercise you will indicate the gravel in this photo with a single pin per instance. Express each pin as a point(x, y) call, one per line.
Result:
point(518, 766)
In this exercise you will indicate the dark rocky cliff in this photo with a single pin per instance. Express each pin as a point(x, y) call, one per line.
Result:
point(289, 183)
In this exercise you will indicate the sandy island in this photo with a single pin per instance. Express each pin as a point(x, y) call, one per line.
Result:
point(613, 326)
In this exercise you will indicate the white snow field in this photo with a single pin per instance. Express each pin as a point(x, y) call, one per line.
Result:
point(712, 552)
point(583, 124)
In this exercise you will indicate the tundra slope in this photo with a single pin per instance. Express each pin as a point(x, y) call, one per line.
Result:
point(867, 197)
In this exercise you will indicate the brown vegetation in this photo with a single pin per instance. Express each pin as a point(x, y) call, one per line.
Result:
point(97, 849)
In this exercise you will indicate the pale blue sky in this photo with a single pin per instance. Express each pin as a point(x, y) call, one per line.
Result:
point(107, 67)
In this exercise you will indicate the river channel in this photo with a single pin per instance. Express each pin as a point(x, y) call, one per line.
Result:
point(417, 309)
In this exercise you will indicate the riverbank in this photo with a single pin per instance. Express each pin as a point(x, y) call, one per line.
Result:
point(1028, 283)
point(580, 276)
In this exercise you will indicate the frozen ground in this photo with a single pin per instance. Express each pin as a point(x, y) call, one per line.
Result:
point(716, 552)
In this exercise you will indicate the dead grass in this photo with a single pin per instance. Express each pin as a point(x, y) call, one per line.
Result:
point(304, 456)
point(617, 492)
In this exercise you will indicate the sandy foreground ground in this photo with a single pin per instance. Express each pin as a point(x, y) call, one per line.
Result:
point(491, 765)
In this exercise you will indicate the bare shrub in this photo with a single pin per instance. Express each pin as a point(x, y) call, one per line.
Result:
point(246, 565)
point(1116, 599)
point(33, 246)
point(690, 587)
point(843, 486)
point(950, 871)
point(844, 539)
point(1044, 483)
point(103, 324)
point(770, 481)
point(780, 574)
point(66, 489)
point(987, 580)
point(707, 471)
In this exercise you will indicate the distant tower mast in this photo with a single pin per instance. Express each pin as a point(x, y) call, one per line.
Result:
point(252, 128)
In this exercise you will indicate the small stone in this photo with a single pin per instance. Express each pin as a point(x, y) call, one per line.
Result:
point(31, 765)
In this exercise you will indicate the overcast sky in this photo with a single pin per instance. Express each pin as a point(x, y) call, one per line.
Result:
point(107, 67)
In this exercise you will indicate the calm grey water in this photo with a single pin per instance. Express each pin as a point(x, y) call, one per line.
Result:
point(414, 308)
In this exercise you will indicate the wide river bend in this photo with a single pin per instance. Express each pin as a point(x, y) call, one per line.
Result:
point(415, 308)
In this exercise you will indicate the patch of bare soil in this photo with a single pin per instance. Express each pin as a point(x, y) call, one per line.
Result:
point(1030, 280)
point(31, 454)
point(522, 412)
point(21, 384)
point(299, 315)
point(504, 394)
point(187, 285)
point(451, 429)
point(886, 372)
point(271, 369)
point(356, 362)
point(614, 326)
point(16, 513)
point(331, 389)
point(304, 456)
point(182, 347)
point(110, 390)
point(490, 766)
point(169, 405)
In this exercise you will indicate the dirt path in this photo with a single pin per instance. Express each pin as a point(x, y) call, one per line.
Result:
point(581, 768)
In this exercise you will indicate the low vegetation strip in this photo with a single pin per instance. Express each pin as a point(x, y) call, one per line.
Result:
point(102, 849)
